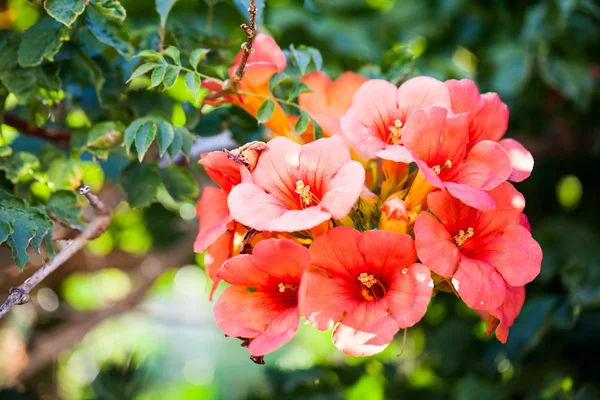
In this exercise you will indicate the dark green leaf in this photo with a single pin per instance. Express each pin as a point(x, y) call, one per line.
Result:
point(140, 181)
point(65, 11)
point(318, 131)
point(111, 9)
point(301, 58)
point(157, 76)
point(43, 232)
point(265, 111)
point(143, 139)
point(298, 89)
point(316, 57)
point(302, 123)
point(171, 76)
point(187, 139)
point(175, 147)
point(141, 70)
point(277, 79)
point(151, 55)
point(63, 206)
point(164, 136)
point(130, 133)
point(192, 81)
point(25, 228)
point(197, 56)
point(6, 228)
point(174, 54)
point(25, 83)
point(179, 183)
point(108, 32)
point(571, 77)
point(163, 8)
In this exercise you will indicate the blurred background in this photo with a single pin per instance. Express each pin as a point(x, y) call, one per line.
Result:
point(129, 317)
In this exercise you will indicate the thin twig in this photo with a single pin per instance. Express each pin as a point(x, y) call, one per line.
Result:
point(250, 30)
point(20, 294)
point(57, 135)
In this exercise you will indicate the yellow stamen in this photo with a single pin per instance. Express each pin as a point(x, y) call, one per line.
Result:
point(306, 196)
point(437, 169)
point(283, 286)
point(369, 281)
point(395, 132)
point(462, 236)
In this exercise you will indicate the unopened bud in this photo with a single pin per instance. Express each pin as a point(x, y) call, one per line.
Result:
point(394, 216)
point(226, 85)
point(248, 154)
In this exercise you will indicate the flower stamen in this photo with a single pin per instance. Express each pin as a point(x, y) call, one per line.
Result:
point(462, 236)
point(438, 169)
point(290, 286)
point(369, 282)
point(307, 198)
point(395, 132)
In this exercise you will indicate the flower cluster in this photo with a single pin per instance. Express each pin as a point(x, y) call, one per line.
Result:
point(406, 196)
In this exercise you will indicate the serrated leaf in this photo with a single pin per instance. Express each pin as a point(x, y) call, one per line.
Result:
point(43, 232)
point(265, 111)
point(302, 123)
point(25, 83)
point(179, 183)
point(42, 41)
point(130, 133)
point(108, 32)
point(111, 9)
point(143, 139)
point(24, 230)
point(187, 139)
point(106, 135)
point(301, 58)
point(163, 8)
point(19, 165)
point(63, 206)
point(317, 130)
point(6, 228)
point(151, 55)
point(164, 137)
point(277, 79)
point(176, 144)
point(65, 174)
point(141, 70)
point(192, 82)
point(65, 11)
point(316, 57)
point(174, 54)
point(298, 89)
point(244, 5)
point(171, 75)
point(197, 56)
point(157, 76)
point(141, 182)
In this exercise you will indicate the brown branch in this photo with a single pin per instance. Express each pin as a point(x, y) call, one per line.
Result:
point(250, 30)
point(57, 135)
point(20, 294)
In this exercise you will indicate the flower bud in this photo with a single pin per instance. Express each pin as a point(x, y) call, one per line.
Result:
point(394, 217)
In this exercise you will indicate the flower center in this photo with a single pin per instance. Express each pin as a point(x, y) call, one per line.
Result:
point(371, 288)
point(307, 198)
point(462, 236)
point(395, 132)
point(290, 286)
point(438, 169)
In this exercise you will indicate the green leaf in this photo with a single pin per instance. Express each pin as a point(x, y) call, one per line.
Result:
point(197, 56)
point(19, 165)
point(157, 76)
point(164, 137)
point(63, 206)
point(41, 41)
point(130, 133)
point(179, 183)
point(265, 111)
point(187, 139)
point(143, 139)
point(316, 57)
point(163, 7)
point(65, 11)
point(302, 123)
point(108, 32)
point(141, 182)
point(277, 79)
point(141, 70)
point(65, 173)
point(301, 58)
point(30, 226)
point(106, 135)
point(174, 54)
point(151, 55)
point(171, 76)
point(571, 77)
point(6, 228)
point(176, 144)
point(193, 83)
point(43, 232)
point(318, 131)
point(298, 89)
point(111, 9)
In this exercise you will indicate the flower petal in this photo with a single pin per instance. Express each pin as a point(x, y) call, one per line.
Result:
point(216, 255)
point(471, 196)
point(396, 153)
point(242, 271)
point(478, 284)
point(344, 189)
point(521, 159)
point(508, 311)
point(253, 207)
point(487, 165)
point(491, 121)
point(421, 92)
point(282, 259)
point(222, 170)
point(337, 252)
point(214, 216)
point(434, 245)
point(386, 252)
point(408, 295)
point(465, 96)
point(241, 313)
point(266, 51)
point(321, 160)
point(282, 327)
point(341, 92)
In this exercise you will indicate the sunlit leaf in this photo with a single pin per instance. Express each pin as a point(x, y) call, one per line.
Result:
point(171, 75)
point(174, 54)
point(65, 11)
point(108, 32)
point(143, 139)
point(196, 56)
point(265, 111)
point(111, 9)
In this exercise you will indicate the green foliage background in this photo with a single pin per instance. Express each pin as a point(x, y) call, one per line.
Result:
point(542, 57)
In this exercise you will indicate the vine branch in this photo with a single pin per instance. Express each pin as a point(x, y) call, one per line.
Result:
point(250, 30)
point(20, 295)
point(56, 135)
